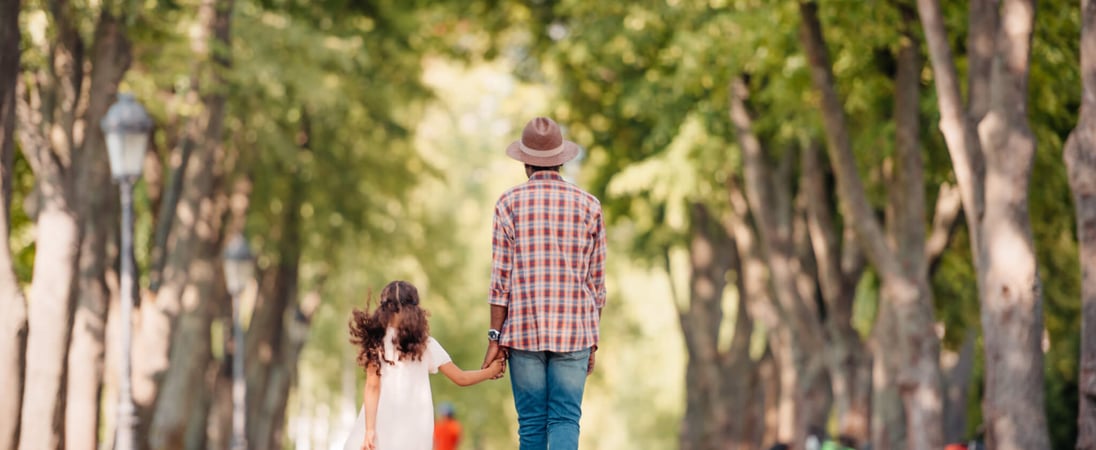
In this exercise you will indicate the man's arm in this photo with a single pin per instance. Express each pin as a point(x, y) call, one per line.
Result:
point(502, 242)
point(494, 351)
point(595, 277)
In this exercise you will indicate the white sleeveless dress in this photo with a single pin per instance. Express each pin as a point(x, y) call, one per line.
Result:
point(405, 408)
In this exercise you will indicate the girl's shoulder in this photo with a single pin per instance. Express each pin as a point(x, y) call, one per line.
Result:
point(434, 345)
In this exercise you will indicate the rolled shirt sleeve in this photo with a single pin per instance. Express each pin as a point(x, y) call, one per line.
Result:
point(595, 279)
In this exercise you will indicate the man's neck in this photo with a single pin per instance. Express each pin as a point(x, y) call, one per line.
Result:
point(530, 170)
point(545, 174)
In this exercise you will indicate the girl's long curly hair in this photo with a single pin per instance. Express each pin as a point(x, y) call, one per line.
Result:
point(399, 300)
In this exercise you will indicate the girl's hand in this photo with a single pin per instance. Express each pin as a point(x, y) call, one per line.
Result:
point(370, 440)
point(496, 367)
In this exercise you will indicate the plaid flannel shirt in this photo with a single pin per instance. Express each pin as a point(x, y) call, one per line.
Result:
point(548, 265)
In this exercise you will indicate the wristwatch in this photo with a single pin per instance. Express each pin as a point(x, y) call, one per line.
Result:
point(493, 335)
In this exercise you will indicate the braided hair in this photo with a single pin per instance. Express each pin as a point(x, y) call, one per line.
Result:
point(399, 299)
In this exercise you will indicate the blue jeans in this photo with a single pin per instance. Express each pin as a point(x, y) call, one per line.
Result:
point(548, 390)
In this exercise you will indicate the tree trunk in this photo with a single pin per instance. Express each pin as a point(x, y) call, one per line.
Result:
point(754, 290)
point(902, 270)
point(839, 269)
point(283, 374)
point(705, 419)
point(48, 116)
point(770, 393)
point(959, 368)
point(277, 295)
point(996, 157)
point(219, 424)
point(1080, 157)
point(744, 401)
point(13, 323)
point(184, 390)
point(209, 423)
point(175, 328)
point(174, 426)
point(49, 321)
point(888, 422)
point(98, 202)
point(799, 354)
point(724, 410)
point(1012, 308)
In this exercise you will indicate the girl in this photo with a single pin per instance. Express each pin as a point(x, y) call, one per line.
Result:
point(398, 354)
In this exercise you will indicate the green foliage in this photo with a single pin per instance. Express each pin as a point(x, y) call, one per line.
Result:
point(638, 83)
point(22, 226)
point(382, 124)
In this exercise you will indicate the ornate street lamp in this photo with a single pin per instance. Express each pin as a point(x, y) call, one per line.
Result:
point(125, 127)
point(239, 269)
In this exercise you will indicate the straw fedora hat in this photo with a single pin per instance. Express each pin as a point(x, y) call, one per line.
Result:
point(542, 145)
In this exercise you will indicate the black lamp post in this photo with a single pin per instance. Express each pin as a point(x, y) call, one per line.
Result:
point(126, 127)
point(239, 269)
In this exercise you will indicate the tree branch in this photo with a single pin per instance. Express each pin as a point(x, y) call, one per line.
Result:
point(29, 128)
point(955, 124)
point(820, 224)
point(771, 210)
point(948, 206)
point(983, 18)
point(854, 202)
point(909, 203)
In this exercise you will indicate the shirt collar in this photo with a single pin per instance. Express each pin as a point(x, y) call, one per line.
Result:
point(546, 175)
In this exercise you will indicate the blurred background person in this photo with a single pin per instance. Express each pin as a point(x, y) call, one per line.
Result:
point(447, 429)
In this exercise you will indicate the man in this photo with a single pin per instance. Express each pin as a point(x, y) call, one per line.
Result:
point(447, 431)
point(547, 289)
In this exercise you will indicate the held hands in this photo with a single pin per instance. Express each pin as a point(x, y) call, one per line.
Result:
point(495, 354)
point(496, 367)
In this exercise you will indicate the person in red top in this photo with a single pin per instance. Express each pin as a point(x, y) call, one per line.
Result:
point(547, 288)
point(447, 430)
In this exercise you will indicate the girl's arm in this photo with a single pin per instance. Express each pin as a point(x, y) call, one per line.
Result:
point(469, 377)
point(370, 396)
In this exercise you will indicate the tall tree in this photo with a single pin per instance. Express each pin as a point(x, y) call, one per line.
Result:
point(840, 265)
point(192, 275)
point(756, 297)
point(48, 103)
point(992, 150)
point(97, 205)
point(13, 324)
point(1080, 158)
point(55, 106)
point(900, 260)
point(771, 205)
point(267, 337)
point(723, 411)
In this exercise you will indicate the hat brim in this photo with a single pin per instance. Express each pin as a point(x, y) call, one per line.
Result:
point(570, 150)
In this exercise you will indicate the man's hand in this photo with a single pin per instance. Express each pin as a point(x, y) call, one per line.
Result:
point(590, 366)
point(494, 352)
point(370, 440)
